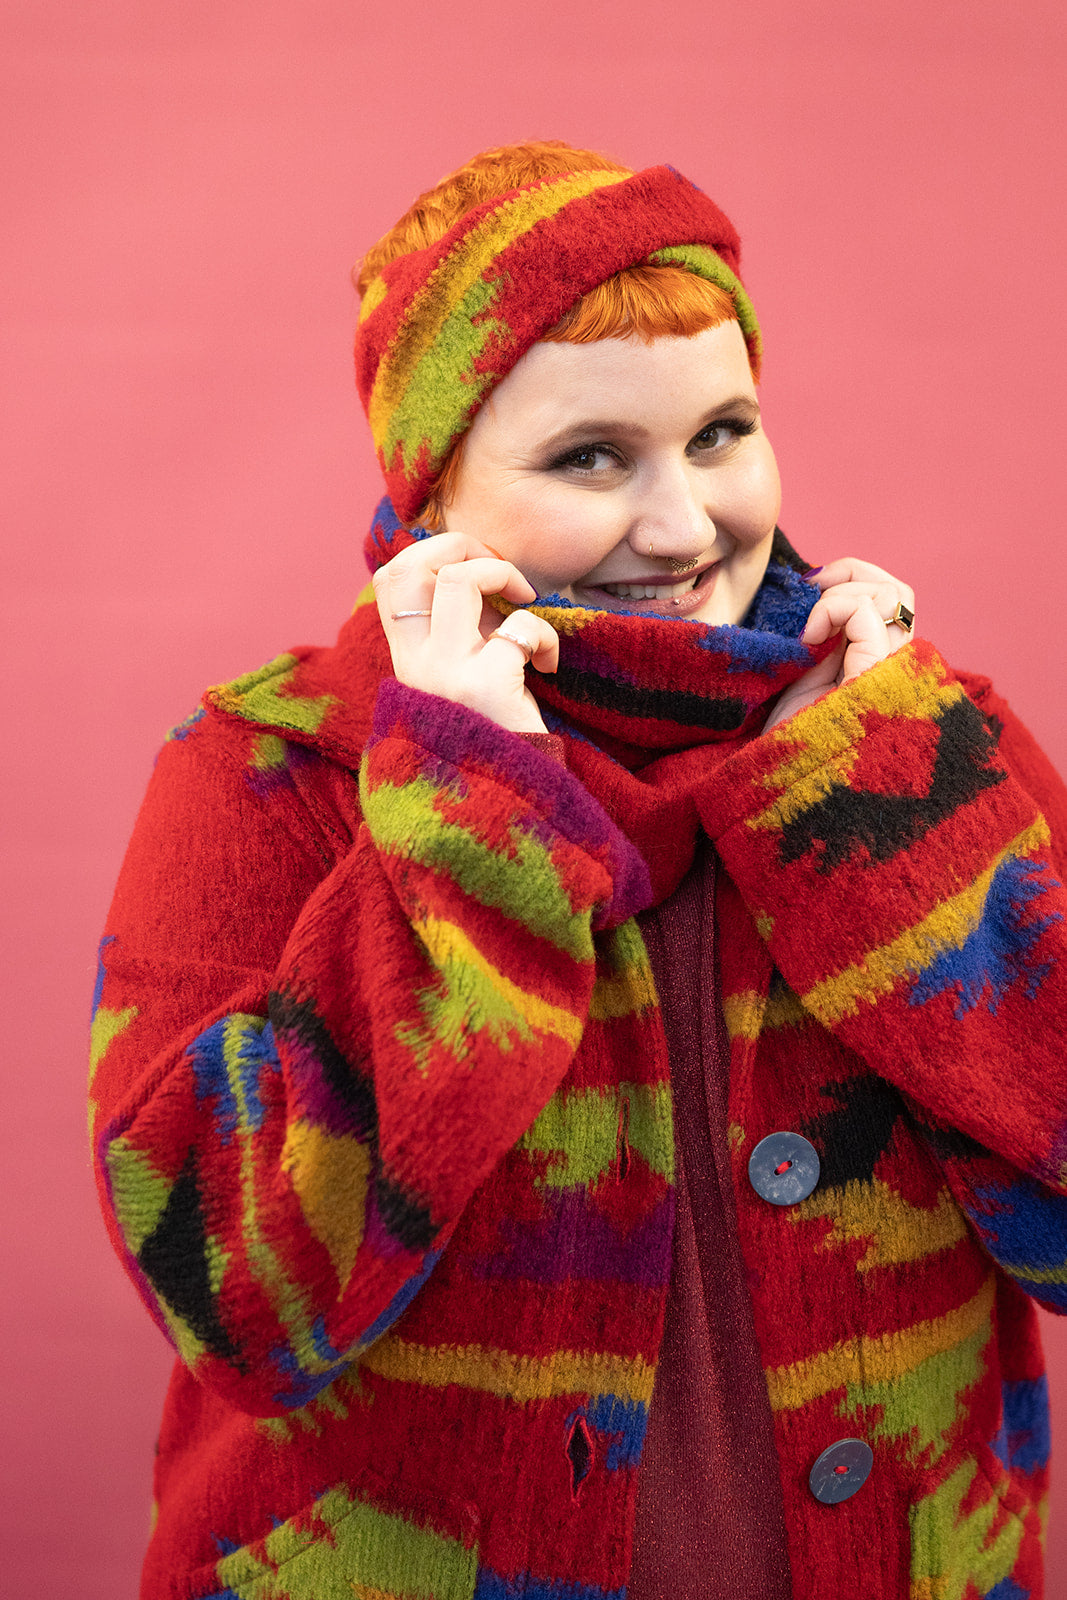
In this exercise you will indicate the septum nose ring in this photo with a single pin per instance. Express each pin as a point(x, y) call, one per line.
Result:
point(675, 566)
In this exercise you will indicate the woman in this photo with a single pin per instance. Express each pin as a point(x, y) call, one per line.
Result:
point(607, 1146)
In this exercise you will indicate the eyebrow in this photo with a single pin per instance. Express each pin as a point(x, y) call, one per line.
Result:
point(610, 427)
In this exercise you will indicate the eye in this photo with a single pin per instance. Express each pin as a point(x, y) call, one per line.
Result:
point(719, 435)
point(586, 458)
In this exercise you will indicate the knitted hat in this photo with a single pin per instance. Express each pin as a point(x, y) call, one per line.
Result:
point(439, 327)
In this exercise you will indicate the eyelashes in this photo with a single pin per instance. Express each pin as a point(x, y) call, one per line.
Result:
point(580, 457)
point(590, 458)
point(739, 427)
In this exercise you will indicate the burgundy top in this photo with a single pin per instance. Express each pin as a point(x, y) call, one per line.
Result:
point(710, 1519)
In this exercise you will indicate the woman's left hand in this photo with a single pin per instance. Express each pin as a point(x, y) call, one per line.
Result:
point(855, 601)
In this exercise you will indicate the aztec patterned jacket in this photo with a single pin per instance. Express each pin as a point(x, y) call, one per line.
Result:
point(383, 1133)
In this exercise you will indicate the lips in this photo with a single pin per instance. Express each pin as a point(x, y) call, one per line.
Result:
point(649, 591)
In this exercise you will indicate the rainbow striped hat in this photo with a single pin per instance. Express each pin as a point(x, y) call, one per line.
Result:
point(441, 326)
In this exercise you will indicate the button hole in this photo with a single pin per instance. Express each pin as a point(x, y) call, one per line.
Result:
point(839, 1471)
point(579, 1453)
point(622, 1140)
point(783, 1166)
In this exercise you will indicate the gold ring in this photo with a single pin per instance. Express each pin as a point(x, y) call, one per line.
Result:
point(902, 617)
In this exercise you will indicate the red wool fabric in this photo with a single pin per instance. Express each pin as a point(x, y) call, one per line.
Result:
point(451, 1396)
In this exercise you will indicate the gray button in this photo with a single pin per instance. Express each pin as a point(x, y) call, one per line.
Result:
point(842, 1468)
point(783, 1168)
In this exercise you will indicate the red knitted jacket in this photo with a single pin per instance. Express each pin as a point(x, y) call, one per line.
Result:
point(381, 1112)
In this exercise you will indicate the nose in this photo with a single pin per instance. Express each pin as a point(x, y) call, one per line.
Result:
point(672, 517)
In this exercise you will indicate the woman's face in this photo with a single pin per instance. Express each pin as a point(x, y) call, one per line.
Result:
point(627, 476)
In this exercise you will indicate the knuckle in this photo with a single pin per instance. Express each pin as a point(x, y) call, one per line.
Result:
point(454, 572)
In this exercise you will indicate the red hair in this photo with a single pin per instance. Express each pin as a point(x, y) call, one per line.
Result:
point(645, 301)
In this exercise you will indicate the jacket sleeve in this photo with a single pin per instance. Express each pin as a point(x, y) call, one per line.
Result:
point(900, 845)
point(309, 1052)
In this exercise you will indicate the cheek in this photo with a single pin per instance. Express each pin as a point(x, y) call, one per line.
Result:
point(559, 542)
point(757, 500)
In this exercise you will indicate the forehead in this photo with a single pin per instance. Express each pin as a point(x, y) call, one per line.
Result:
point(637, 382)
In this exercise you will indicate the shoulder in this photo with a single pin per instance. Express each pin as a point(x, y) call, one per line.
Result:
point(318, 698)
point(273, 752)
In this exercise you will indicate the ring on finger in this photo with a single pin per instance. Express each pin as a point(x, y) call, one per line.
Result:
point(398, 616)
point(902, 616)
point(528, 650)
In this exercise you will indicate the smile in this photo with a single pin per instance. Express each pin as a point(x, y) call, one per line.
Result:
point(650, 591)
point(678, 597)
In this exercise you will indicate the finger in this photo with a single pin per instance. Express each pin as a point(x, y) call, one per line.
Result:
point(868, 643)
point(425, 559)
point(406, 584)
point(833, 610)
point(434, 603)
point(859, 619)
point(886, 592)
point(834, 604)
point(850, 570)
point(459, 595)
point(846, 569)
point(867, 639)
point(403, 593)
point(432, 552)
point(536, 639)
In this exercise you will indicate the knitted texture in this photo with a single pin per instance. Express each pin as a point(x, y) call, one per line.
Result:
point(439, 327)
point(382, 1117)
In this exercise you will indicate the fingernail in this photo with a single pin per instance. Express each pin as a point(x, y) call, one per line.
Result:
point(810, 572)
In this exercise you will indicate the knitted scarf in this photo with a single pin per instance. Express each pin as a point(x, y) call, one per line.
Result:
point(647, 706)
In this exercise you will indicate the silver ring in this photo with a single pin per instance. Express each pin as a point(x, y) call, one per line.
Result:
point(524, 645)
point(398, 616)
point(902, 616)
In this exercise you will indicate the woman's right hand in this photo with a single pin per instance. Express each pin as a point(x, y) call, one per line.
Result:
point(443, 635)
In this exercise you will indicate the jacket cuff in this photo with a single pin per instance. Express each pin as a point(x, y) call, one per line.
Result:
point(462, 745)
point(819, 749)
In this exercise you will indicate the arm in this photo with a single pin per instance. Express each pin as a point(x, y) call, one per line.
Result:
point(906, 881)
point(309, 1051)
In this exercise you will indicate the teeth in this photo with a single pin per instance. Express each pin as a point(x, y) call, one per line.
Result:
point(649, 591)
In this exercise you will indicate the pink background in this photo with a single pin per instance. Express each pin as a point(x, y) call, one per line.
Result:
point(188, 479)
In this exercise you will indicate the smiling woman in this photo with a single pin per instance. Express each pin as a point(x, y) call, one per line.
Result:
point(599, 502)
point(609, 1149)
